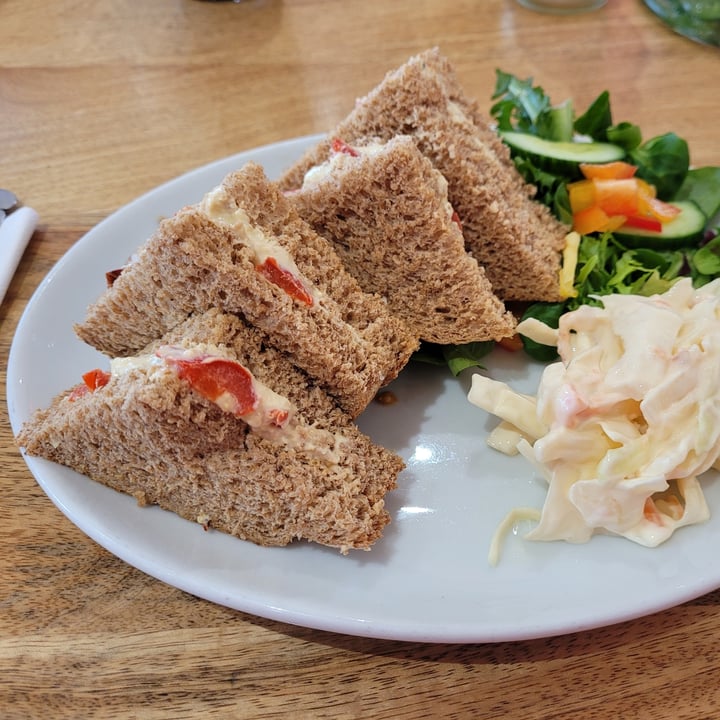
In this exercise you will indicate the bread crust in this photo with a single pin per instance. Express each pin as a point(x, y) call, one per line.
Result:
point(347, 341)
point(387, 213)
point(516, 239)
point(148, 434)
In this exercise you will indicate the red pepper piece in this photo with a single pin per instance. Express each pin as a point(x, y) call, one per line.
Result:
point(617, 170)
point(339, 145)
point(279, 417)
point(92, 380)
point(456, 219)
point(663, 211)
point(95, 379)
point(112, 275)
point(591, 219)
point(512, 343)
point(217, 377)
point(643, 223)
point(284, 279)
point(77, 392)
point(617, 197)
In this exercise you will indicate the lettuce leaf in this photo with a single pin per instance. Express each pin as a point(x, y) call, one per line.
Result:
point(520, 104)
point(596, 120)
point(456, 357)
point(664, 162)
point(702, 186)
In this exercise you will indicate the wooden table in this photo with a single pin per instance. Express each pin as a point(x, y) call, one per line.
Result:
point(100, 102)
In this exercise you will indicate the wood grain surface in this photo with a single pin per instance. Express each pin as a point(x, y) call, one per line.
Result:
point(101, 101)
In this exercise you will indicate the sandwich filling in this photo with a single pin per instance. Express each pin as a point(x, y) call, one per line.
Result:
point(231, 386)
point(272, 260)
point(339, 152)
point(235, 390)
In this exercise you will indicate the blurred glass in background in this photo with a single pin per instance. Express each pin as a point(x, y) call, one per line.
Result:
point(698, 20)
point(562, 7)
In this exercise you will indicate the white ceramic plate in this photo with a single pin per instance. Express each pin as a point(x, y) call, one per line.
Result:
point(428, 579)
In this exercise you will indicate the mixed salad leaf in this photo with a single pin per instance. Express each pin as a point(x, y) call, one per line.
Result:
point(455, 357)
point(606, 262)
point(521, 106)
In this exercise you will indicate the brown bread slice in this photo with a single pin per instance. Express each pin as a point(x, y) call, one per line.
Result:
point(516, 240)
point(148, 434)
point(346, 339)
point(386, 210)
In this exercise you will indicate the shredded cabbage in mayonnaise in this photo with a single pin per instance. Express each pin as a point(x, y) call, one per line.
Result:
point(628, 419)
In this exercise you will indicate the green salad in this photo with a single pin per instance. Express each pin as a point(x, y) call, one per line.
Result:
point(549, 145)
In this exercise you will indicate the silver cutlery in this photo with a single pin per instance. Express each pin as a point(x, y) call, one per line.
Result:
point(8, 203)
point(17, 224)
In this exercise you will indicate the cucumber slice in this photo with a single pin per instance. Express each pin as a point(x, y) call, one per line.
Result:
point(561, 158)
point(682, 231)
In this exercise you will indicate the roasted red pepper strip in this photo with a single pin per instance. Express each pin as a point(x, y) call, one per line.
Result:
point(339, 145)
point(216, 378)
point(285, 280)
point(112, 275)
point(456, 219)
point(95, 379)
point(92, 380)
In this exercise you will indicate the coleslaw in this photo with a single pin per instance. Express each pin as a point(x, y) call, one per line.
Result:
point(624, 425)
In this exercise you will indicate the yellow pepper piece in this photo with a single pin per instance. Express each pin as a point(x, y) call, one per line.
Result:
point(569, 264)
